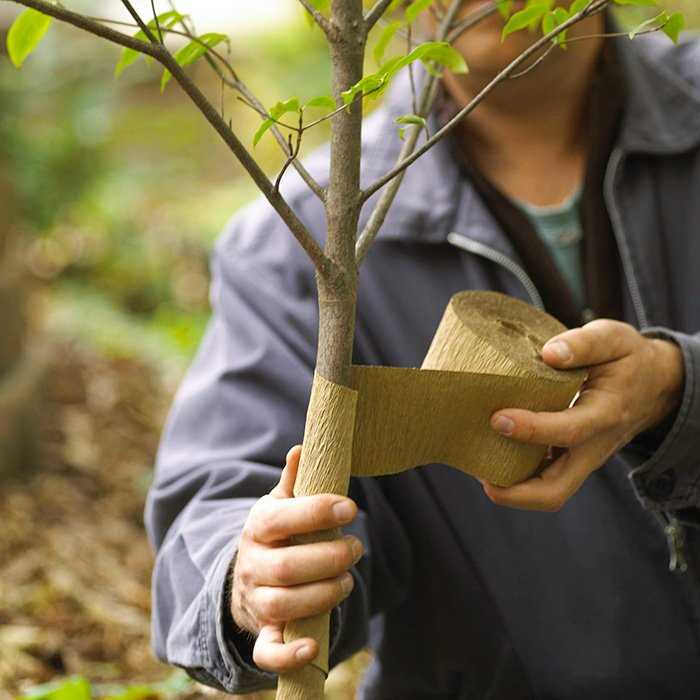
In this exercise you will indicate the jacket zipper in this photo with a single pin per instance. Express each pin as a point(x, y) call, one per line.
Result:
point(484, 251)
point(672, 528)
point(616, 221)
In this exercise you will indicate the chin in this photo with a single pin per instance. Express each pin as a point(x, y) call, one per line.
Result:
point(484, 51)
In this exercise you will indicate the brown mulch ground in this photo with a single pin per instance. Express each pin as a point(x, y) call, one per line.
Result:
point(74, 561)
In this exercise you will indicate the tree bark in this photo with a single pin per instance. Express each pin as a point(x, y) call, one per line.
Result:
point(325, 458)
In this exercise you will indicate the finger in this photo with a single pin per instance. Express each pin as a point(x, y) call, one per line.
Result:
point(285, 487)
point(270, 652)
point(596, 411)
point(597, 342)
point(555, 485)
point(305, 563)
point(278, 604)
point(275, 520)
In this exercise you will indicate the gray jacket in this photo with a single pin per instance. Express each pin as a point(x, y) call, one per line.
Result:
point(458, 598)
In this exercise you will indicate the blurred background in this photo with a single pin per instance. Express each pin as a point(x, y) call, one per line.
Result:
point(111, 196)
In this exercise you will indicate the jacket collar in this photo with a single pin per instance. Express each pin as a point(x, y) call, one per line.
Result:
point(662, 117)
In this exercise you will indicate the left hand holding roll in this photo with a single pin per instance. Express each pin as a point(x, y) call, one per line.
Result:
point(634, 383)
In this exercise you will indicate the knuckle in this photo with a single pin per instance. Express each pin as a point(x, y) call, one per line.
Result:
point(340, 556)
point(270, 606)
point(244, 571)
point(280, 569)
point(265, 519)
point(263, 660)
point(553, 501)
point(554, 504)
point(575, 433)
point(320, 511)
point(529, 431)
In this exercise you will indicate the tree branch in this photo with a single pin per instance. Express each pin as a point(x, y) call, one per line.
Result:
point(140, 22)
point(155, 19)
point(322, 263)
point(320, 20)
point(595, 7)
point(427, 98)
point(472, 19)
point(372, 17)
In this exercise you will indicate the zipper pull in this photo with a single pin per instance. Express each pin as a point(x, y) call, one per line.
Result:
point(676, 545)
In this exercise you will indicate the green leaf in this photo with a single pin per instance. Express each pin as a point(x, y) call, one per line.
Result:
point(441, 52)
point(549, 23)
point(415, 8)
point(505, 7)
point(524, 18)
point(578, 5)
point(410, 119)
point(276, 112)
point(653, 21)
point(325, 101)
point(25, 34)
point(438, 51)
point(673, 27)
point(637, 3)
point(75, 688)
point(385, 39)
point(561, 15)
point(166, 20)
point(189, 53)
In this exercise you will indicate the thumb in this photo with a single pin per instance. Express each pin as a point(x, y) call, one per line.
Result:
point(285, 487)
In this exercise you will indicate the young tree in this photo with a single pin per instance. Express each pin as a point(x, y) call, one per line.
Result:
point(346, 25)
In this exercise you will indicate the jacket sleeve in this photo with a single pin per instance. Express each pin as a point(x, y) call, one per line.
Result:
point(667, 475)
point(240, 408)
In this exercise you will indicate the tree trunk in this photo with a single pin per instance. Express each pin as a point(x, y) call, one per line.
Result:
point(327, 451)
point(21, 371)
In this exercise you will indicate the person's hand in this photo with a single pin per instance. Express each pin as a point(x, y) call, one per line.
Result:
point(633, 384)
point(275, 581)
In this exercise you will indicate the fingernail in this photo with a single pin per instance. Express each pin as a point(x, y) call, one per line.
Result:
point(503, 425)
point(561, 349)
point(303, 652)
point(356, 547)
point(343, 511)
point(346, 583)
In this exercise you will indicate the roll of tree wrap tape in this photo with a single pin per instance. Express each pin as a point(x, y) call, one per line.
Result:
point(485, 356)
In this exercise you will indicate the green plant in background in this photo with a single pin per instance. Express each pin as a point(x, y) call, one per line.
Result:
point(84, 152)
point(79, 688)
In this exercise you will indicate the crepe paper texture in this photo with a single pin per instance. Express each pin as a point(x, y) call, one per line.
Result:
point(485, 356)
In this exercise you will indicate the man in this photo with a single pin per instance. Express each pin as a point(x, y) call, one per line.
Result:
point(573, 187)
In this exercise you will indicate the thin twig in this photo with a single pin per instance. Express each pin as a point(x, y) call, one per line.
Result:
point(414, 104)
point(594, 8)
point(472, 19)
point(323, 264)
point(428, 95)
point(156, 20)
point(137, 18)
point(614, 35)
point(380, 7)
point(323, 22)
point(292, 153)
point(536, 63)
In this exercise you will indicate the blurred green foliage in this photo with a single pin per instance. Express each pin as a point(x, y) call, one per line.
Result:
point(79, 688)
point(121, 190)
